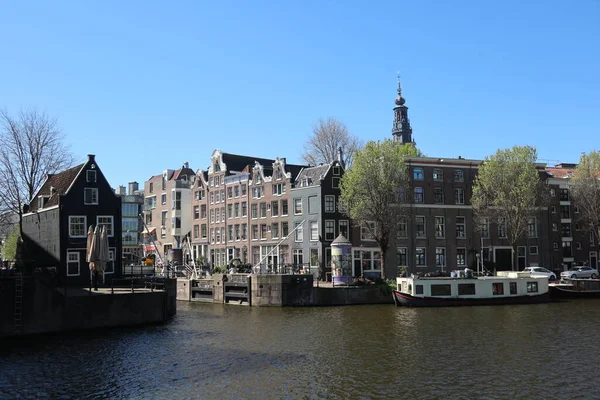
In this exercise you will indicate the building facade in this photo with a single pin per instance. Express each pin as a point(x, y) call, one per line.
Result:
point(132, 205)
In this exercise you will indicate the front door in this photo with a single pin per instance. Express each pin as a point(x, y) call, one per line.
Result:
point(594, 259)
point(502, 259)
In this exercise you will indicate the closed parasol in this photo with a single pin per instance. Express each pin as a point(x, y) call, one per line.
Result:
point(97, 252)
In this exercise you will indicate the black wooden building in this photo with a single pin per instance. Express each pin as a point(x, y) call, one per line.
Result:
point(56, 223)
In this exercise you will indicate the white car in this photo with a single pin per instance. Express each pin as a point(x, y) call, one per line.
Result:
point(540, 271)
point(580, 272)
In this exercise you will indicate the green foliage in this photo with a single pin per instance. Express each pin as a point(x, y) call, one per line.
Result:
point(508, 190)
point(585, 190)
point(377, 187)
point(9, 250)
point(220, 269)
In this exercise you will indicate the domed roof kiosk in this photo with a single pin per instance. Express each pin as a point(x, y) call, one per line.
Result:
point(341, 260)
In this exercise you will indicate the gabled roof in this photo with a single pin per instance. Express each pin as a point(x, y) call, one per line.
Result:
point(236, 162)
point(313, 174)
point(560, 173)
point(182, 172)
point(60, 182)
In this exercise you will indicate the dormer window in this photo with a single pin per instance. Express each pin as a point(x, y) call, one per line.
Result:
point(217, 167)
point(42, 200)
point(258, 178)
point(336, 170)
point(90, 175)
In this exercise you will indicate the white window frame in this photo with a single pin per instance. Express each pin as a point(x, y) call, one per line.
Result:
point(84, 226)
point(402, 229)
point(367, 234)
point(88, 176)
point(299, 233)
point(418, 174)
point(533, 250)
point(94, 195)
point(462, 250)
point(329, 200)
point(463, 224)
point(442, 224)
point(329, 223)
point(419, 195)
point(442, 254)
point(76, 253)
point(112, 224)
point(417, 251)
point(424, 226)
point(459, 196)
point(314, 231)
point(298, 201)
point(347, 225)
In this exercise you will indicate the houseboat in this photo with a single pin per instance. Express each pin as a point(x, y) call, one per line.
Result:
point(506, 287)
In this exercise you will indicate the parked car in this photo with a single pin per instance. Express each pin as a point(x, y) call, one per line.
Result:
point(541, 271)
point(580, 272)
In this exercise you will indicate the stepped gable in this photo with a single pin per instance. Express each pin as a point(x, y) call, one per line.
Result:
point(60, 182)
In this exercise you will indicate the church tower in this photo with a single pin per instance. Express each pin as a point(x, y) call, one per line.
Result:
point(402, 131)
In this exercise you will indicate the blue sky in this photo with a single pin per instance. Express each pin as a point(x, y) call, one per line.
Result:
point(148, 85)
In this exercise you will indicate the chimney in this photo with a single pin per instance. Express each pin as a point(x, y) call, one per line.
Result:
point(186, 165)
point(121, 190)
point(91, 158)
point(133, 187)
point(341, 157)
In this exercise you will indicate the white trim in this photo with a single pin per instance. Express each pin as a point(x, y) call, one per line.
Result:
point(78, 253)
point(85, 226)
point(97, 196)
point(112, 223)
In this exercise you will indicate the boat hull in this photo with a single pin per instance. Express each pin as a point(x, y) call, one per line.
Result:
point(557, 292)
point(406, 300)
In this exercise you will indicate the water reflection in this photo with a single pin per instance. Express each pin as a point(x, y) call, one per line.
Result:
point(216, 351)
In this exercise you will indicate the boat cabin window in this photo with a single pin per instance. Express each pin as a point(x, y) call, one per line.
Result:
point(513, 287)
point(466, 288)
point(532, 287)
point(441, 290)
point(418, 289)
point(497, 288)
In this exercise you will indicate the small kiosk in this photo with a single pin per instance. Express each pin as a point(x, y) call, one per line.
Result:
point(341, 261)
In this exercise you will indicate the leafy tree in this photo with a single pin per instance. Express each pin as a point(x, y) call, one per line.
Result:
point(585, 190)
point(374, 191)
point(32, 147)
point(509, 192)
point(328, 136)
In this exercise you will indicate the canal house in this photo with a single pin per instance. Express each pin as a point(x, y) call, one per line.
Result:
point(56, 222)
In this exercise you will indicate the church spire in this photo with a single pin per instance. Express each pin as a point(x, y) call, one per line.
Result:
point(401, 130)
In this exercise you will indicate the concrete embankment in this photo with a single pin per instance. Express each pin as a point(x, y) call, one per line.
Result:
point(47, 309)
point(278, 291)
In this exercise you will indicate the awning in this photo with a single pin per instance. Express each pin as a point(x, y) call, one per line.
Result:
point(150, 230)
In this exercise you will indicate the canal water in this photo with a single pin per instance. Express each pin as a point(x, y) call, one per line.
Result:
point(209, 351)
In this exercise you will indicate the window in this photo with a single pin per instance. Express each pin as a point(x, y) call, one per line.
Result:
point(196, 212)
point(90, 175)
point(420, 256)
point(440, 256)
point(402, 229)
point(236, 210)
point(461, 229)
point(438, 195)
point(90, 196)
point(163, 219)
point(236, 191)
point(163, 199)
point(297, 206)
point(230, 192)
point(164, 182)
point(344, 228)
point(533, 250)
point(420, 226)
point(263, 210)
point(263, 231)
point(440, 227)
point(336, 170)
point(284, 207)
point(564, 194)
point(244, 209)
point(521, 257)
point(107, 221)
point(212, 197)
point(532, 227)
point(576, 209)
point(461, 256)
point(329, 229)
point(553, 192)
point(554, 227)
point(329, 204)
point(72, 263)
point(498, 288)
point(203, 231)
point(485, 228)
point(565, 230)
point(553, 209)
point(419, 195)
point(254, 211)
point(418, 174)
point(532, 287)
point(401, 259)
point(313, 205)
point(314, 231)
point(418, 289)
point(77, 226)
point(229, 210)
point(297, 256)
point(458, 175)
point(438, 174)
point(555, 246)
point(466, 288)
point(565, 212)
point(367, 231)
point(335, 183)
point(254, 232)
point(244, 231)
point(299, 231)
point(244, 189)
point(284, 229)
point(578, 245)
point(459, 196)
point(151, 187)
point(275, 230)
point(513, 287)
point(196, 231)
point(501, 229)
point(441, 290)
point(279, 189)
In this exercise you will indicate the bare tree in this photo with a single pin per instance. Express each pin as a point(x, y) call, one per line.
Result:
point(328, 136)
point(585, 189)
point(32, 147)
